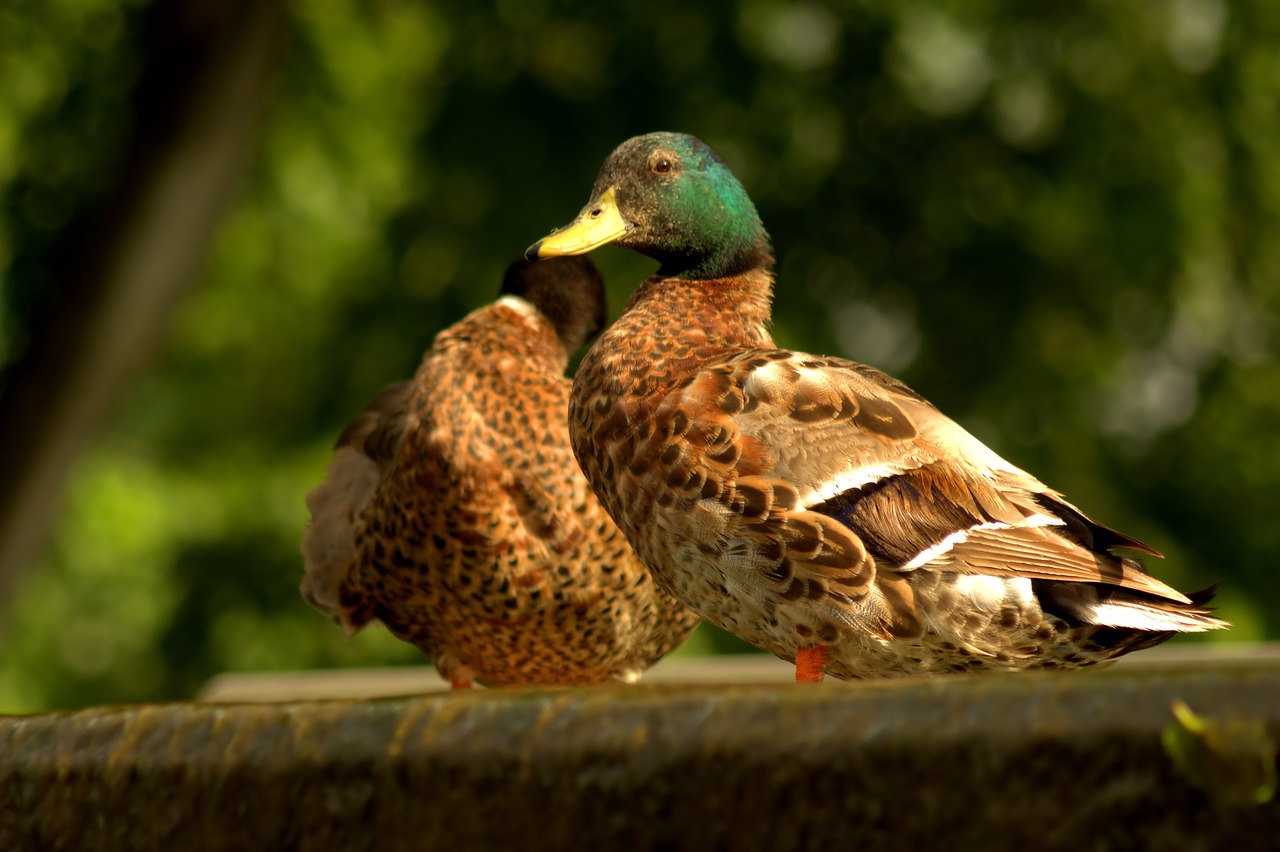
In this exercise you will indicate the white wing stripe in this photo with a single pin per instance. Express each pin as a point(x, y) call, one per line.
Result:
point(848, 481)
point(929, 554)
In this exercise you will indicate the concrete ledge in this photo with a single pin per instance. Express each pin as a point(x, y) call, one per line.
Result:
point(1019, 762)
point(725, 669)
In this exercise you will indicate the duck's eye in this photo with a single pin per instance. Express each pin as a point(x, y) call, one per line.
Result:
point(662, 166)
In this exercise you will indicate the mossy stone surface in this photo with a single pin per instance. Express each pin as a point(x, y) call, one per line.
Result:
point(1065, 761)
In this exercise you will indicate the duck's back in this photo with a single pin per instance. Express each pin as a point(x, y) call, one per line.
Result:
point(473, 534)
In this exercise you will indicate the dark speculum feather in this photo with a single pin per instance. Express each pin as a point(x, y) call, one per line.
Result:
point(1088, 533)
point(899, 517)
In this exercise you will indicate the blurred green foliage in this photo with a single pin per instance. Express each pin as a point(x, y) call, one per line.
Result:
point(1060, 222)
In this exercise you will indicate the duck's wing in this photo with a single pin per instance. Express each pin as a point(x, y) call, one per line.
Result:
point(377, 430)
point(840, 474)
point(362, 454)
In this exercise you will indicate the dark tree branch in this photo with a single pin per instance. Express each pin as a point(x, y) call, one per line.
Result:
point(208, 68)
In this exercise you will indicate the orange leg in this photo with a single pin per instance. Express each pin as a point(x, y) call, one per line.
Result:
point(460, 684)
point(810, 661)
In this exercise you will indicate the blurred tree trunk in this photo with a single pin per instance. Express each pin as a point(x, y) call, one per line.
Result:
point(207, 69)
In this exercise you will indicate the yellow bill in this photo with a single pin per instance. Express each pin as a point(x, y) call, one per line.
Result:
point(597, 224)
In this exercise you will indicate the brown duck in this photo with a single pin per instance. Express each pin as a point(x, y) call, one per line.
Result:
point(455, 514)
point(815, 507)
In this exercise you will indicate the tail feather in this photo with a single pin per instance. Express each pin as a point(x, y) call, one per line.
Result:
point(1109, 606)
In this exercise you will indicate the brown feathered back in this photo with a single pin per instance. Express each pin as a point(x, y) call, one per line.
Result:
point(455, 513)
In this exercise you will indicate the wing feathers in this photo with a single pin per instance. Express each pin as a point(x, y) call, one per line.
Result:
point(1089, 533)
point(328, 544)
point(847, 482)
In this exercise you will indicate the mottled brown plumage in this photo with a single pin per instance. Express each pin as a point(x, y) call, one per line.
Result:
point(813, 506)
point(454, 511)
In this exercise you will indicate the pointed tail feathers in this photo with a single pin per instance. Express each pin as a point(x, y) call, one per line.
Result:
point(1109, 606)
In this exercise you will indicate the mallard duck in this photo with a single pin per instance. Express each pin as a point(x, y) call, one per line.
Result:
point(455, 513)
point(815, 507)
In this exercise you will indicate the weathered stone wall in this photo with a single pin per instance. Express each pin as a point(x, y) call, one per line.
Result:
point(1023, 762)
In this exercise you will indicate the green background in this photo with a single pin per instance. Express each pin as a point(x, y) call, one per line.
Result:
point(1059, 222)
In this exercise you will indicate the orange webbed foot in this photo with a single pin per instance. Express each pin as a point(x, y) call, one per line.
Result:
point(811, 660)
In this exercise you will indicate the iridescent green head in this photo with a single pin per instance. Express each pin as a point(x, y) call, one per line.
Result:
point(668, 196)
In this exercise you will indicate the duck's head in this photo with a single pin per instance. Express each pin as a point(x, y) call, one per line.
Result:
point(668, 196)
point(568, 291)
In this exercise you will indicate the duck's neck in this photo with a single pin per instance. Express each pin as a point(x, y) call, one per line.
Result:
point(510, 327)
point(728, 255)
point(672, 326)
